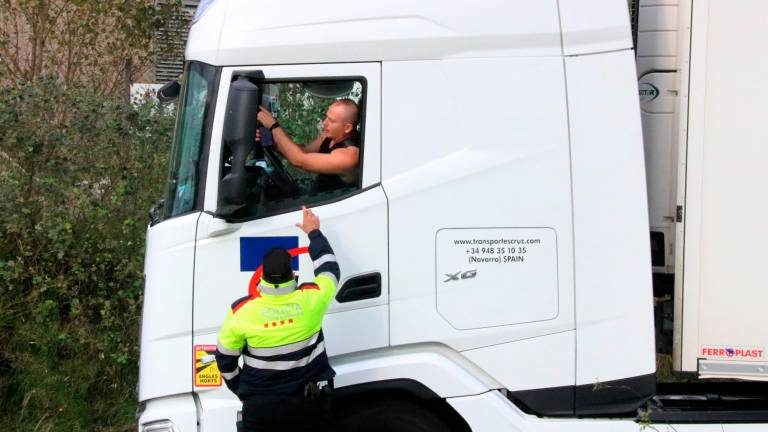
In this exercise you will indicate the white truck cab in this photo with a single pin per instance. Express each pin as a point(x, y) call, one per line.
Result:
point(496, 267)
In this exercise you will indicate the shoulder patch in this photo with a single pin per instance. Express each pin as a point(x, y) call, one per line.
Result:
point(239, 302)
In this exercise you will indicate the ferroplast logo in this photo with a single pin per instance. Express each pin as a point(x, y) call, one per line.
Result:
point(731, 352)
point(648, 92)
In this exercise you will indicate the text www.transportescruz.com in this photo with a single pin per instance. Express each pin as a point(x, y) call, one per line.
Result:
point(492, 242)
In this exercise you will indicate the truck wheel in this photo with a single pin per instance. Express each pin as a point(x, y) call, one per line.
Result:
point(388, 416)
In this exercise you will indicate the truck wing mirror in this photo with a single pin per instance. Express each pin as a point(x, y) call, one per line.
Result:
point(169, 92)
point(156, 212)
point(240, 187)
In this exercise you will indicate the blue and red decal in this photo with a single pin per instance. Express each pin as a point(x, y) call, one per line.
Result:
point(252, 250)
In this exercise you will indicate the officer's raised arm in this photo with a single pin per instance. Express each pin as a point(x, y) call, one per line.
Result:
point(320, 251)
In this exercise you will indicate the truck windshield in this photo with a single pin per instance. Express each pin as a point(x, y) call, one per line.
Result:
point(191, 136)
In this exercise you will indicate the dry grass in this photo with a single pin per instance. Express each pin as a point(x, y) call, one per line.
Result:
point(664, 371)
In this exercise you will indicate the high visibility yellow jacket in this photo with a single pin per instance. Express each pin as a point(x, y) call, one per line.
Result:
point(278, 331)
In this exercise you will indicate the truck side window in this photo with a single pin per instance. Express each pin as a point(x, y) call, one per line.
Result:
point(301, 109)
point(192, 130)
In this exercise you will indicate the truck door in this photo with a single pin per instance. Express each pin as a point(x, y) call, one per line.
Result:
point(353, 217)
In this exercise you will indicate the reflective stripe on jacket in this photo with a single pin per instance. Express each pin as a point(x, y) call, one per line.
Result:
point(278, 332)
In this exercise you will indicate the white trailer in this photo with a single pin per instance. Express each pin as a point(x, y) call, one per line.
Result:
point(702, 68)
point(496, 268)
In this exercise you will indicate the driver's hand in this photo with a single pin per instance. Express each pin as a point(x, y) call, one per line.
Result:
point(258, 135)
point(265, 117)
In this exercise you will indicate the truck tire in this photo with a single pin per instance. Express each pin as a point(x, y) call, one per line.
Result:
point(388, 416)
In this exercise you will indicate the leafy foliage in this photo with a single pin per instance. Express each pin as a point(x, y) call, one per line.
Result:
point(105, 43)
point(301, 112)
point(78, 168)
point(77, 172)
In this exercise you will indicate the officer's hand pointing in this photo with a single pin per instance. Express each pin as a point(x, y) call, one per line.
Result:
point(310, 223)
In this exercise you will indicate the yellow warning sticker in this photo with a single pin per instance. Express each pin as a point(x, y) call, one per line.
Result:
point(206, 370)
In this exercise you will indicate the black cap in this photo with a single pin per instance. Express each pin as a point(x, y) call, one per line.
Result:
point(278, 266)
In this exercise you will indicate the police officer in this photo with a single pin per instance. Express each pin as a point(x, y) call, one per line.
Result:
point(285, 380)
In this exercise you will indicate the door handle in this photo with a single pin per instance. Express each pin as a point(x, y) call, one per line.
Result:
point(366, 286)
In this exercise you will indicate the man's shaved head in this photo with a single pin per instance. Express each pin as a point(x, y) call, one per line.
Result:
point(350, 109)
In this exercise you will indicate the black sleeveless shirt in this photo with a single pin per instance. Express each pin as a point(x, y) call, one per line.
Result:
point(328, 182)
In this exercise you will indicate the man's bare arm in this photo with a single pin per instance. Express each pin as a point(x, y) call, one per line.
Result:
point(339, 161)
point(314, 145)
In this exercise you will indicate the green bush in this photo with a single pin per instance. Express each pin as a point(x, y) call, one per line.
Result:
point(78, 171)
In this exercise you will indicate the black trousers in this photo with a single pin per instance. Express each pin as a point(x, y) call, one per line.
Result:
point(288, 413)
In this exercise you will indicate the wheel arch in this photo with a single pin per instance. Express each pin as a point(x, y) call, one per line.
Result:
point(350, 399)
